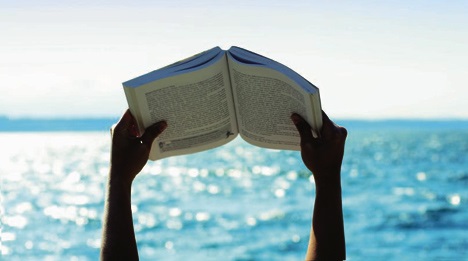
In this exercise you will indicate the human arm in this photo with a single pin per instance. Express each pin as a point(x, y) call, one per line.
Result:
point(129, 154)
point(323, 156)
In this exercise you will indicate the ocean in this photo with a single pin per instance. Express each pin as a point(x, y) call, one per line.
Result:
point(404, 183)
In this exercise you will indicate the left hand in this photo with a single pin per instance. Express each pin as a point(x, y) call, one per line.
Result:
point(129, 151)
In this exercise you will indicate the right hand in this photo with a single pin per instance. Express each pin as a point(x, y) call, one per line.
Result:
point(323, 155)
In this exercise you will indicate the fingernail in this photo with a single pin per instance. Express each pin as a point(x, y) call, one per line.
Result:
point(315, 134)
point(295, 118)
point(134, 130)
point(163, 125)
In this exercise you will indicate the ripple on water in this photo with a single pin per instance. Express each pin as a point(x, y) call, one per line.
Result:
point(404, 194)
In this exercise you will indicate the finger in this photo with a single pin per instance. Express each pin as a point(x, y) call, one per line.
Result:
point(112, 129)
point(327, 124)
point(330, 123)
point(126, 125)
point(329, 128)
point(152, 132)
point(344, 132)
point(305, 131)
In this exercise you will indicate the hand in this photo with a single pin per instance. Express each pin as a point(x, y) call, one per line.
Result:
point(323, 155)
point(129, 151)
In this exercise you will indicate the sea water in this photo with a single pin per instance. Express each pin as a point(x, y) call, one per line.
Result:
point(405, 197)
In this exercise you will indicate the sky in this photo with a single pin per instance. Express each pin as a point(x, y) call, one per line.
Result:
point(400, 59)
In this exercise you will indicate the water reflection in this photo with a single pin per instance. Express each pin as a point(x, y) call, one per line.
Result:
point(402, 193)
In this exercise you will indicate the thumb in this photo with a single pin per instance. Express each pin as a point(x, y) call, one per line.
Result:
point(152, 132)
point(305, 131)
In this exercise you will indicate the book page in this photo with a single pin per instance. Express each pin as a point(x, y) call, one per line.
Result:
point(198, 108)
point(264, 102)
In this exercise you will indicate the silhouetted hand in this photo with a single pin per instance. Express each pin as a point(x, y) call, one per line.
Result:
point(130, 151)
point(323, 155)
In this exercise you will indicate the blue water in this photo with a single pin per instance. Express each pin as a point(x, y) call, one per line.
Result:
point(405, 197)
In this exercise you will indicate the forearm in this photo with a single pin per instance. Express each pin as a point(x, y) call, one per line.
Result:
point(118, 238)
point(327, 240)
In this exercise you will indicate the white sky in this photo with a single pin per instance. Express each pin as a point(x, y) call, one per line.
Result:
point(398, 60)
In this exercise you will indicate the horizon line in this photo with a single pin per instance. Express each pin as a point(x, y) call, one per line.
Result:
point(351, 118)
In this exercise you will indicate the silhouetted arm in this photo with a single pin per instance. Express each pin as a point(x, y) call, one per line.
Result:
point(129, 154)
point(323, 156)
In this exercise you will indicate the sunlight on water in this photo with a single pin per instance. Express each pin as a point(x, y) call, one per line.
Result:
point(404, 194)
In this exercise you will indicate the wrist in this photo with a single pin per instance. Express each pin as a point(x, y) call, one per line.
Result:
point(329, 181)
point(328, 189)
point(119, 179)
point(331, 190)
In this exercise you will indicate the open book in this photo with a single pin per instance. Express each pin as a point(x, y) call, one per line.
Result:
point(210, 98)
